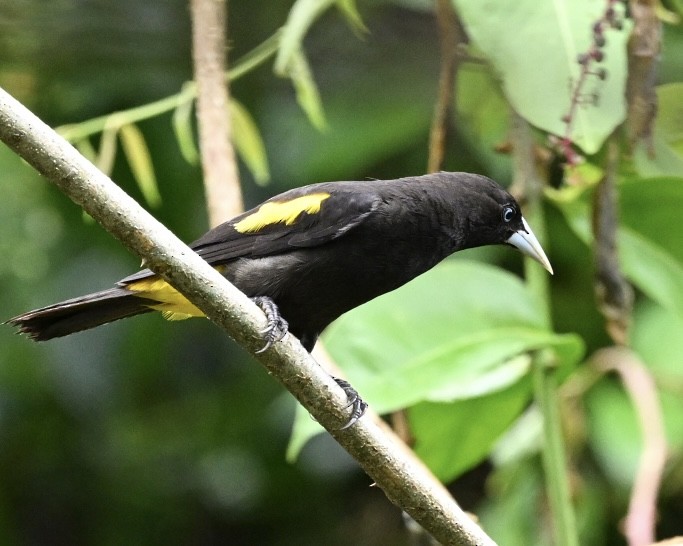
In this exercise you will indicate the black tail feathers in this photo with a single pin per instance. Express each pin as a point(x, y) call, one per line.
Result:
point(78, 314)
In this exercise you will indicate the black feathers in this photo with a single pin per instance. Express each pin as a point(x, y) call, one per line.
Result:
point(320, 250)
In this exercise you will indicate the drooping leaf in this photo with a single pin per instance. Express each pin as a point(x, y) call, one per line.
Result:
point(302, 15)
point(87, 150)
point(248, 142)
point(307, 94)
point(350, 11)
point(107, 150)
point(184, 133)
point(140, 161)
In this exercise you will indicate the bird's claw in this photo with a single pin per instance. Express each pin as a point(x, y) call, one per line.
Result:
point(356, 403)
point(277, 328)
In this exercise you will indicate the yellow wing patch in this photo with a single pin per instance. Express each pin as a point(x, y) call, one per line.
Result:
point(281, 212)
point(172, 303)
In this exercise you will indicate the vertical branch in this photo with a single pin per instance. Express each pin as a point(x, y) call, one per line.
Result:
point(529, 183)
point(450, 35)
point(614, 294)
point(221, 178)
point(644, 47)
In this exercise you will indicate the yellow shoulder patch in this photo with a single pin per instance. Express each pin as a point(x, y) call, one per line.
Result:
point(281, 212)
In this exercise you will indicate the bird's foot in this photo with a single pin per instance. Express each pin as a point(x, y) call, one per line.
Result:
point(356, 403)
point(276, 326)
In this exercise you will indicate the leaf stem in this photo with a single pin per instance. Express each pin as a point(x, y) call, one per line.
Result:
point(79, 131)
point(529, 183)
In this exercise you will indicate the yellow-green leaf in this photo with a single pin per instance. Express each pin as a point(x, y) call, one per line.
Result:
point(86, 149)
point(299, 20)
point(350, 11)
point(307, 94)
point(140, 161)
point(247, 140)
point(107, 152)
point(182, 127)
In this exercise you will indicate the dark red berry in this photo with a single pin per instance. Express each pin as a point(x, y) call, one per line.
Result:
point(601, 73)
point(597, 55)
point(600, 40)
point(582, 59)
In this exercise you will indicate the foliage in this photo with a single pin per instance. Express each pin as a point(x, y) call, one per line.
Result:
point(147, 421)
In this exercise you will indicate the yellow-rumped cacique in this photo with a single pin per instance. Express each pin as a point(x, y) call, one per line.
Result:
point(312, 253)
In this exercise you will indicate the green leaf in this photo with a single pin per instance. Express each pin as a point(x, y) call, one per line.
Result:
point(86, 149)
point(652, 206)
point(471, 365)
point(446, 439)
point(652, 324)
point(458, 332)
point(247, 139)
point(534, 46)
point(300, 18)
point(307, 94)
point(140, 161)
point(107, 151)
point(350, 11)
point(484, 117)
point(302, 15)
point(183, 129)
point(618, 448)
point(653, 270)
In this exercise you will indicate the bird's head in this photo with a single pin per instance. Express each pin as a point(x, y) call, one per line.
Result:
point(493, 216)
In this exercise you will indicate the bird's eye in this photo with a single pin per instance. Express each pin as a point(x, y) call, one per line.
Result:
point(508, 213)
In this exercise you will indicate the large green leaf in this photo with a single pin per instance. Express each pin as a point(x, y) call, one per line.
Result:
point(534, 47)
point(652, 207)
point(458, 332)
point(452, 438)
point(645, 263)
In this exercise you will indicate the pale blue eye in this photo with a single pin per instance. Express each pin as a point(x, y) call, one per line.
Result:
point(508, 213)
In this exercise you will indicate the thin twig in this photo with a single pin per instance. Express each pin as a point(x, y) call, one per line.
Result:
point(614, 294)
point(450, 36)
point(221, 178)
point(641, 519)
point(407, 483)
point(615, 301)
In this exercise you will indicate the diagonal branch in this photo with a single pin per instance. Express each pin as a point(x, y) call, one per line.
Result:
point(403, 478)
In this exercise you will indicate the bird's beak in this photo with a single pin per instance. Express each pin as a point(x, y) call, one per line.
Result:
point(526, 242)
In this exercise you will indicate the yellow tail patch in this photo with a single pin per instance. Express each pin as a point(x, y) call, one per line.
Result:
point(281, 212)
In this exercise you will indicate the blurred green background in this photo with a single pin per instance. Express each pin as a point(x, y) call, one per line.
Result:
point(146, 431)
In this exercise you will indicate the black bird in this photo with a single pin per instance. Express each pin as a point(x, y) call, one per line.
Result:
point(310, 254)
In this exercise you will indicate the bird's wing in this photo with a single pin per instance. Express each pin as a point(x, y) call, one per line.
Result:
point(302, 217)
